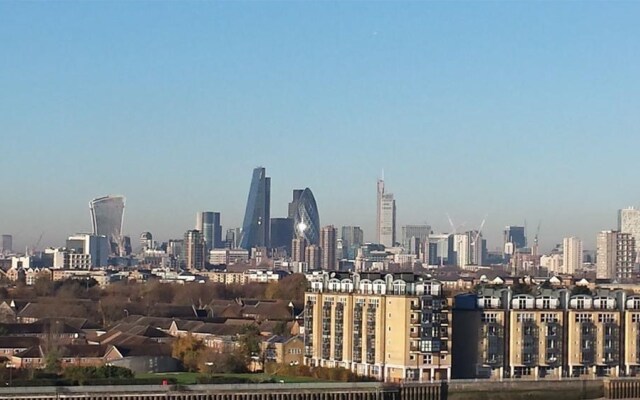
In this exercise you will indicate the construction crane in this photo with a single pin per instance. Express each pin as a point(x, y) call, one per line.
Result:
point(535, 239)
point(31, 251)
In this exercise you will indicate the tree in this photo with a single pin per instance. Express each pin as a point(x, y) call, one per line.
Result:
point(44, 286)
point(291, 288)
point(280, 329)
point(189, 351)
point(580, 290)
point(250, 340)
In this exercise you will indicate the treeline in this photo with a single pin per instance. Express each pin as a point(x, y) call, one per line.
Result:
point(113, 299)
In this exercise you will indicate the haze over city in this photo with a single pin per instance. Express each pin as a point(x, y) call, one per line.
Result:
point(514, 111)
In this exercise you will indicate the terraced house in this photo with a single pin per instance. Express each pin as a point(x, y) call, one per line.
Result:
point(391, 326)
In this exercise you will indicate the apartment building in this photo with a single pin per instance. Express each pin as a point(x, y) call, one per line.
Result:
point(551, 333)
point(388, 326)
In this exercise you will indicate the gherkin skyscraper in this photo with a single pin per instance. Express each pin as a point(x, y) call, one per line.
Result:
point(257, 217)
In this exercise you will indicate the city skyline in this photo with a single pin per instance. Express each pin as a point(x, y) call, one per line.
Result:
point(510, 110)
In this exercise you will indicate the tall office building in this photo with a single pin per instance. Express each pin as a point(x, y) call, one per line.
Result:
point(257, 217)
point(352, 239)
point(615, 255)
point(438, 252)
point(107, 219)
point(328, 243)
point(232, 238)
point(7, 244)
point(412, 232)
point(146, 241)
point(386, 221)
point(466, 249)
point(313, 256)
point(629, 222)
point(298, 249)
point(571, 255)
point(514, 239)
point(194, 250)
point(282, 233)
point(306, 221)
point(208, 223)
point(94, 246)
point(293, 205)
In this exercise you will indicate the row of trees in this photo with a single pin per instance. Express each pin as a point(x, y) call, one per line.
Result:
point(290, 288)
point(115, 298)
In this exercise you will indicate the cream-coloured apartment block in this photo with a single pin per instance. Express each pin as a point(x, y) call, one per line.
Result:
point(536, 335)
point(632, 336)
point(593, 335)
point(389, 326)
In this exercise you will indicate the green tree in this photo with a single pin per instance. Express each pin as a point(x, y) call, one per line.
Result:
point(250, 340)
point(189, 351)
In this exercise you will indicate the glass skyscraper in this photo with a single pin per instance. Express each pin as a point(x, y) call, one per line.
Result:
point(306, 219)
point(208, 223)
point(256, 226)
point(106, 217)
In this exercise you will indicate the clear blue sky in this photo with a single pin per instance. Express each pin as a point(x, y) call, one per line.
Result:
point(515, 110)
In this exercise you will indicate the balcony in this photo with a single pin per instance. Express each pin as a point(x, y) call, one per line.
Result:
point(415, 321)
point(414, 335)
point(414, 347)
point(415, 306)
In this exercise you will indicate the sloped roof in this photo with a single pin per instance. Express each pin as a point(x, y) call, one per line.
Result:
point(18, 342)
point(156, 349)
point(40, 327)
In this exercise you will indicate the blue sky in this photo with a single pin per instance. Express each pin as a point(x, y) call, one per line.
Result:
point(512, 109)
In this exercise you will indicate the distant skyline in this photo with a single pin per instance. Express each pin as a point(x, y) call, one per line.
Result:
point(518, 110)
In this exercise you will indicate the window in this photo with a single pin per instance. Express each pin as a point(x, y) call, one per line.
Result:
point(581, 317)
point(552, 330)
point(586, 344)
point(524, 317)
point(635, 318)
point(546, 304)
point(607, 318)
point(549, 317)
point(489, 317)
point(580, 304)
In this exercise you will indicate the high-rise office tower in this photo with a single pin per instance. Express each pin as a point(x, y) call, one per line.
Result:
point(107, 219)
point(232, 238)
point(194, 250)
point(466, 249)
point(208, 223)
point(615, 255)
point(412, 232)
point(313, 256)
point(306, 221)
point(293, 205)
point(298, 249)
point(386, 221)
point(7, 244)
point(629, 222)
point(352, 239)
point(571, 255)
point(514, 239)
point(97, 247)
point(328, 244)
point(257, 217)
point(146, 241)
point(282, 233)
